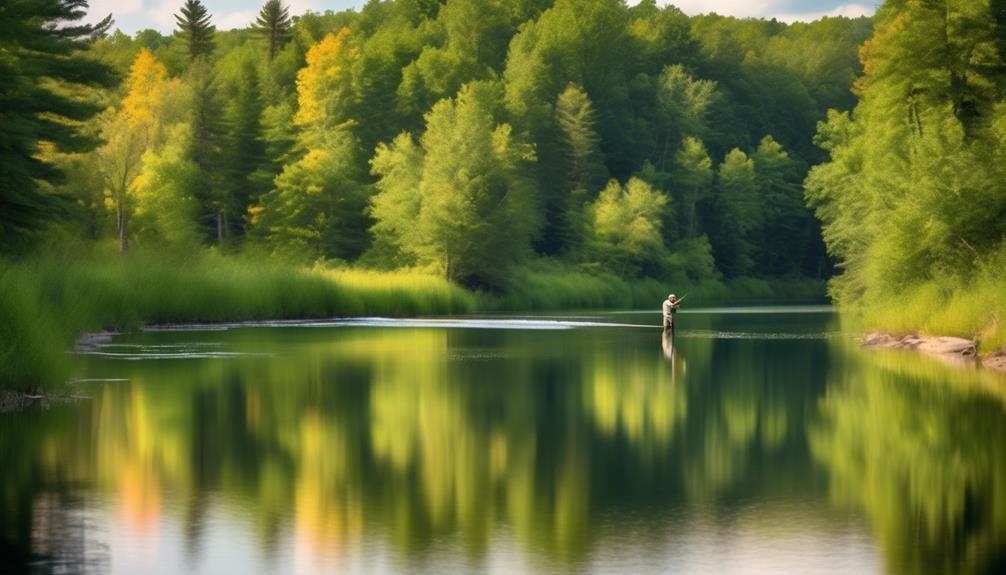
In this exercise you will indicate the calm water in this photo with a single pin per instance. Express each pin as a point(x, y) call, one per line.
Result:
point(758, 440)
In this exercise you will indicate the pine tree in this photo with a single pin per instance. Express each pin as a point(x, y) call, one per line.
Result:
point(194, 26)
point(244, 159)
point(40, 49)
point(206, 146)
point(273, 23)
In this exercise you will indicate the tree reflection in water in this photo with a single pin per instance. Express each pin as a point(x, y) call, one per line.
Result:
point(417, 436)
point(919, 448)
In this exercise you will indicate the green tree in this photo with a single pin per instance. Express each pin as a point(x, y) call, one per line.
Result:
point(129, 132)
point(273, 23)
point(627, 225)
point(662, 35)
point(468, 41)
point(787, 224)
point(461, 201)
point(245, 170)
point(317, 207)
point(692, 179)
point(207, 138)
point(120, 163)
point(683, 104)
point(571, 42)
point(734, 214)
point(43, 69)
point(195, 28)
point(912, 192)
point(585, 170)
point(164, 212)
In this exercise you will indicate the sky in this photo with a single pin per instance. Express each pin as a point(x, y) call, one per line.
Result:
point(134, 15)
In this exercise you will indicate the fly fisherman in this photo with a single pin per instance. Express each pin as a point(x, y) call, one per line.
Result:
point(671, 305)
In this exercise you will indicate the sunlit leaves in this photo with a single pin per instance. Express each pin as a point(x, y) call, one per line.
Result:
point(627, 223)
point(909, 194)
point(461, 201)
point(323, 85)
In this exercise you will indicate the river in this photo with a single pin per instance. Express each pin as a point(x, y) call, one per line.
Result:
point(757, 440)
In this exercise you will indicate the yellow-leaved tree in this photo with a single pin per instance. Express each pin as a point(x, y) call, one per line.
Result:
point(316, 209)
point(147, 83)
point(323, 86)
point(131, 132)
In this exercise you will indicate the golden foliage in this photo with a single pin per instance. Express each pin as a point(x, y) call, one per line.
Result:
point(323, 81)
point(147, 84)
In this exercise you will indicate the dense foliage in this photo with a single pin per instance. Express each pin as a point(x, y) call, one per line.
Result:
point(42, 68)
point(468, 138)
point(912, 198)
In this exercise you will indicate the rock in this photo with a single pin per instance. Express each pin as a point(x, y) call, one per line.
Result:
point(949, 349)
point(880, 340)
point(996, 361)
point(949, 346)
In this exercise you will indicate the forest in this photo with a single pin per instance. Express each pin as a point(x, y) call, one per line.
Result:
point(534, 153)
point(469, 138)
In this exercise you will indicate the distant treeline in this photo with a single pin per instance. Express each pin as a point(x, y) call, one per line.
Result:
point(465, 137)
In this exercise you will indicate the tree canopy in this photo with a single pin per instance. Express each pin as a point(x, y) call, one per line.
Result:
point(467, 137)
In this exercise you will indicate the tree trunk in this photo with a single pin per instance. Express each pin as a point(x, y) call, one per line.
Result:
point(120, 218)
point(691, 220)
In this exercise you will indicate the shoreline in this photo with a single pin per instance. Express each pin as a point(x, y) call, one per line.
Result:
point(952, 350)
point(13, 401)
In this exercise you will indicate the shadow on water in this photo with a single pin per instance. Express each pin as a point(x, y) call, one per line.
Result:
point(431, 448)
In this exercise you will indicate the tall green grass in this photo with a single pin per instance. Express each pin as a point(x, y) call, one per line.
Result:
point(972, 307)
point(47, 303)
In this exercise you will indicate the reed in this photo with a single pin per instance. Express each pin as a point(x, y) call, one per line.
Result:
point(974, 308)
point(49, 302)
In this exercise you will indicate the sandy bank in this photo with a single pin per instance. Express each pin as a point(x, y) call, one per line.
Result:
point(953, 350)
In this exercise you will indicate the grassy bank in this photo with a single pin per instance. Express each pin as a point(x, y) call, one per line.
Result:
point(973, 308)
point(50, 301)
point(47, 303)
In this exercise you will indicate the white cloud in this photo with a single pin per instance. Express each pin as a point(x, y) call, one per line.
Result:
point(298, 7)
point(847, 10)
point(233, 20)
point(162, 15)
point(739, 8)
point(763, 9)
point(101, 8)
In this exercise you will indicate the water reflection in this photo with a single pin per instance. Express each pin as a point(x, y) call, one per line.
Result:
point(919, 448)
point(438, 448)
